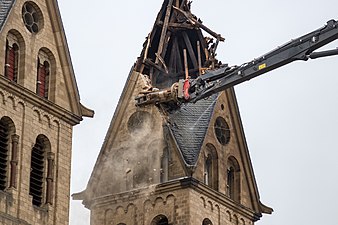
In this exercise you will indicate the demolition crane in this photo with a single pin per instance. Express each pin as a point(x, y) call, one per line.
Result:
point(214, 81)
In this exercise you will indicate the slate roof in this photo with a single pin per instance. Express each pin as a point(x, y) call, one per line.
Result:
point(5, 7)
point(189, 125)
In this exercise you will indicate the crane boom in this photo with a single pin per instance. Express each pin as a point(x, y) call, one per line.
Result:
point(214, 81)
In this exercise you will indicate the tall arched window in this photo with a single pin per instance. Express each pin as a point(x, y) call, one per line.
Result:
point(12, 57)
point(4, 152)
point(8, 153)
point(160, 220)
point(208, 170)
point(211, 166)
point(164, 176)
point(42, 172)
point(233, 188)
point(42, 81)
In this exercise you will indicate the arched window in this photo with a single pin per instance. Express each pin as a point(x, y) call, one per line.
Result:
point(8, 153)
point(208, 170)
point(42, 81)
point(233, 179)
point(160, 220)
point(42, 172)
point(211, 167)
point(12, 56)
point(11, 61)
point(165, 165)
point(206, 221)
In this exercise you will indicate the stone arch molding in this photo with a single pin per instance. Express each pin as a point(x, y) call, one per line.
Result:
point(229, 214)
point(152, 208)
point(121, 214)
point(9, 99)
point(43, 116)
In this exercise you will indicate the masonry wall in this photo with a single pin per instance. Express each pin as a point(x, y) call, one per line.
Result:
point(30, 121)
point(33, 115)
point(30, 45)
point(181, 206)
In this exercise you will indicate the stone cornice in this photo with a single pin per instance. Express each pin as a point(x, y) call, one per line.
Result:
point(170, 187)
point(29, 96)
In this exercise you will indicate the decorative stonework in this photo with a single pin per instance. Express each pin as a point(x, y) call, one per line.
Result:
point(32, 17)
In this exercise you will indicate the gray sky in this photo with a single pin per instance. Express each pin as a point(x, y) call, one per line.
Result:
point(289, 115)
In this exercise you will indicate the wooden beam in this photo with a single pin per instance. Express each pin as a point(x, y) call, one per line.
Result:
point(178, 57)
point(164, 30)
point(195, 22)
point(186, 64)
point(190, 49)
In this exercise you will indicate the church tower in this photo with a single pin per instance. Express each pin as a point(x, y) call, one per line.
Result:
point(39, 105)
point(174, 164)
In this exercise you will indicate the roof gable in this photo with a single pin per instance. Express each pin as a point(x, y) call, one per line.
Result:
point(52, 41)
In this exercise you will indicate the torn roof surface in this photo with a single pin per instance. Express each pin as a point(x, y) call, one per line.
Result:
point(189, 125)
point(5, 7)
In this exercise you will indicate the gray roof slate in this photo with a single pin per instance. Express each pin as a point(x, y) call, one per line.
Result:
point(189, 125)
point(5, 7)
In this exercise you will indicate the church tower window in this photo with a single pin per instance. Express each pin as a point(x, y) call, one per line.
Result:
point(211, 167)
point(4, 139)
point(8, 153)
point(32, 17)
point(233, 179)
point(207, 170)
point(40, 179)
point(222, 131)
point(11, 61)
point(43, 75)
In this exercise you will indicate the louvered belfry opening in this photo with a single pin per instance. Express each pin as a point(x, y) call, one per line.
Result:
point(4, 142)
point(42, 83)
point(176, 45)
point(37, 172)
point(11, 62)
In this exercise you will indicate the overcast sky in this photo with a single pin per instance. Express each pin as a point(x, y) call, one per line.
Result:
point(289, 115)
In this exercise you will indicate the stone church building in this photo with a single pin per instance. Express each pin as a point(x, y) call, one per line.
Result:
point(39, 105)
point(160, 164)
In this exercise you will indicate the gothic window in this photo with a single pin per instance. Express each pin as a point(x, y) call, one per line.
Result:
point(43, 75)
point(222, 131)
point(233, 179)
point(206, 221)
point(42, 169)
point(211, 167)
point(8, 153)
point(160, 220)
point(32, 17)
